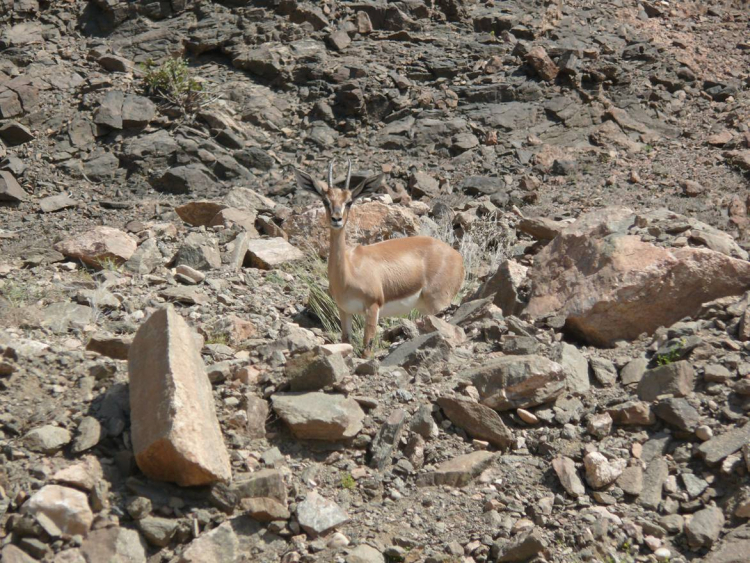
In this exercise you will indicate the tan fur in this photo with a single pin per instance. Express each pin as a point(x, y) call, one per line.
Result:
point(385, 272)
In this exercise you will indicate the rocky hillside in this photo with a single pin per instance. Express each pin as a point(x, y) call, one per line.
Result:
point(172, 387)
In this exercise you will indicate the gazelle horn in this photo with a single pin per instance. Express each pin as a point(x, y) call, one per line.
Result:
point(348, 174)
point(330, 175)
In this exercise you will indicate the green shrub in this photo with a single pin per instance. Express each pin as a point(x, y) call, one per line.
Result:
point(172, 82)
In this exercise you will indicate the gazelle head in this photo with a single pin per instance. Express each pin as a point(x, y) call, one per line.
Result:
point(337, 201)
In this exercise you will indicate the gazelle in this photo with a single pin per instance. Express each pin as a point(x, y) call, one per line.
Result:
point(385, 279)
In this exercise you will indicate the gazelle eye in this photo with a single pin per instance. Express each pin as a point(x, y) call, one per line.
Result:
point(349, 203)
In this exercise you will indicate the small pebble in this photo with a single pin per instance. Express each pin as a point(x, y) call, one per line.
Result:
point(527, 417)
point(704, 433)
point(662, 554)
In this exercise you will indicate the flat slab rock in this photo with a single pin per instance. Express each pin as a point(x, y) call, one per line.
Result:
point(510, 382)
point(98, 245)
point(478, 420)
point(318, 515)
point(459, 471)
point(319, 416)
point(266, 254)
point(175, 432)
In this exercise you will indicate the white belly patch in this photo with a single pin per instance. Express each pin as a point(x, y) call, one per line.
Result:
point(400, 306)
point(353, 307)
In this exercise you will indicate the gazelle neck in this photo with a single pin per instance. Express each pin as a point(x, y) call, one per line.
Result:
point(337, 259)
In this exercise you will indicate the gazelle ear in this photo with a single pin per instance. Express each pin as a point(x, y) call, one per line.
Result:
point(368, 186)
point(307, 183)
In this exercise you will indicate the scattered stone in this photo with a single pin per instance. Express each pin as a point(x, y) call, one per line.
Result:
point(527, 416)
point(61, 510)
point(318, 516)
point(459, 471)
point(604, 371)
point(477, 420)
point(198, 252)
point(539, 60)
point(267, 254)
point(599, 425)
point(14, 134)
point(175, 432)
point(47, 439)
point(600, 471)
point(522, 548)
point(319, 416)
point(265, 509)
point(703, 529)
point(632, 413)
point(83, 475)
point(266, 483)
point(679, 413)
point(633, 371)
point(312, 372)
point(517, 381)
point(199, 213)
point(10, 191)
point(219, 545)
point(566, 472)
point(387, 439)
point(631, 480)
point(723, 445)
point(676, 379)
point(364, 553)
point(653, 482)
point(575, 366)
point(114, 544)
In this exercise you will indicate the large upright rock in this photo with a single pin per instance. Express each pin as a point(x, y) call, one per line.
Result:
point(610, 285)
point(175, 432)
point(510, 382)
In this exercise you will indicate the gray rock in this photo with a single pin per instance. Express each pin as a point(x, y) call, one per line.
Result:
point(14, 133)
point(575, 366)
point(653, 482)
point(604, 371)
point(267, 483)
point(423, 424)
point(522, 548)
point(482, 185)
point(387, 439)
point(137, 111)
point(632, 413)
point(633, 371)
point(312, 372)
point(679, 413)
point(423, 350)
point(733, 548)
point(478, 420)
point(109, 112)
point(101, 167)
point(723, 445)
point(10, 190)
point(188, 179)
point(703, 529)
point(114, 544)
point(217, 546)
point(145, 259)
point(517, 381)
point(270, 253)
point(253, 157)
point(56, 203)
point(318, 516)
point(675, 379)
point(265, 509)
point(631, 480)
point(365, 554)
point(459, 471)
point(693, 485)
point(89, 434)
point(565, 468)
point(158, 531)
point(257, 413)
point(199, 252)
point(47, 439)
point(319, 416)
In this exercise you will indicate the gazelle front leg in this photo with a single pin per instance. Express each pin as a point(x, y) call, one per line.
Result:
point(371, 326)
point(346, 326)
